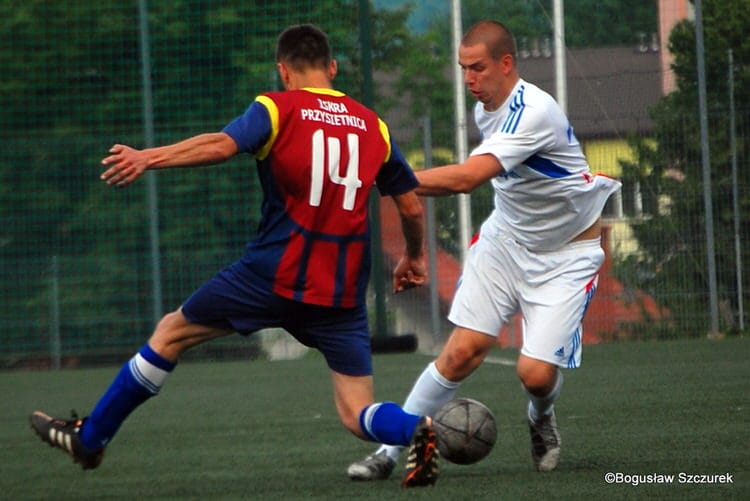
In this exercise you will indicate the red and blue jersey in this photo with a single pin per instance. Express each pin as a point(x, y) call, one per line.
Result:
point(319, 152)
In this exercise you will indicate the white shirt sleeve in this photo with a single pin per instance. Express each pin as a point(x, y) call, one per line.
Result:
point(514, 144)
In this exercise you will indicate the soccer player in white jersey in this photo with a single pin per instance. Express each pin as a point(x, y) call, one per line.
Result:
point(538, 253)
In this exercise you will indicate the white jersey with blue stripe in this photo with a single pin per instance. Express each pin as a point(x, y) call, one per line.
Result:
point(546, 195)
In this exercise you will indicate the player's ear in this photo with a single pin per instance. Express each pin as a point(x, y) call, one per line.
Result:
point(509, 62)
point(283, 74)
point(332, 69)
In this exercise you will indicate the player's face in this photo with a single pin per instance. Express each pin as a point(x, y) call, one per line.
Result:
point(485, 77)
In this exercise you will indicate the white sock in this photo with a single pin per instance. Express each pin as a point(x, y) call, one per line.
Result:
point(542, 406)
point(430, 392)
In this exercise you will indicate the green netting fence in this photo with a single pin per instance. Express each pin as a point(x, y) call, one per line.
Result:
point(86, 270)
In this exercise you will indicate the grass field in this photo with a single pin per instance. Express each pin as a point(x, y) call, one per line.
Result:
point(268, 430)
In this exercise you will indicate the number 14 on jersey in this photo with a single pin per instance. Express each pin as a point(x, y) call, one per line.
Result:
point(350, 180)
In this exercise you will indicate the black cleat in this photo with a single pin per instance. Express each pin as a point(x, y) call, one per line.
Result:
point(64, 434)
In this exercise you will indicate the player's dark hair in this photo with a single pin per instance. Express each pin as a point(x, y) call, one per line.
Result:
point(495, 35)
point(303, 46)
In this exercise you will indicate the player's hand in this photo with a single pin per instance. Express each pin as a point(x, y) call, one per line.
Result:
point(409, 273)
point(125, 164)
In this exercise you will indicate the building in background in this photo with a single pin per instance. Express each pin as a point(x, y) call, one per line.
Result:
point(670, 13)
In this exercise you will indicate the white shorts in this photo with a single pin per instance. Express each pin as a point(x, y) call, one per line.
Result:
point(551, 290)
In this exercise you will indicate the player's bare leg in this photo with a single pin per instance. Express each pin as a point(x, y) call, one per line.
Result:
point(351, 394)
point(464, 351)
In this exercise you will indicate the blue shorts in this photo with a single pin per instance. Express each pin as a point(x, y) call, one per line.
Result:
point(230, 301)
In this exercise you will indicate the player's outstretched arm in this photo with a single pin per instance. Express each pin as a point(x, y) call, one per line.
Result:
point(458, 178)
point(126, 164)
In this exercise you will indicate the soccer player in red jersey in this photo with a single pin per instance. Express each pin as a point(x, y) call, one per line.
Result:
point(319, 153)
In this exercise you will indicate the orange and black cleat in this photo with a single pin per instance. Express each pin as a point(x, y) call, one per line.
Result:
point(422, 460)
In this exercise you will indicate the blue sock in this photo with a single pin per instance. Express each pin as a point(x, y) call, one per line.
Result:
point(139, 379)
point(387, 423)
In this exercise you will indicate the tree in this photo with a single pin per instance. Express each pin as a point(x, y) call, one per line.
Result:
point(672, 263)
point(426, 74)
point(71, 87)
point(602, 23)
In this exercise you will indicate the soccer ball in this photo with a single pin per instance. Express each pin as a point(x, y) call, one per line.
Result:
point(465, 430)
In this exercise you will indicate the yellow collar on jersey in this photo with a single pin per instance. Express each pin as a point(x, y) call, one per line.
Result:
point(320, 90)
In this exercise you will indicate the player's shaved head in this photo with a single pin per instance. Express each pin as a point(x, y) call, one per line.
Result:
point(303, 46)
point(494, 35)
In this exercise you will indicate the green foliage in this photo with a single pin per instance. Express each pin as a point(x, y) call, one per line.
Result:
point(72, 85)
point(672, 263)
point(602, 23)
point(588, 23)
point(426, 71)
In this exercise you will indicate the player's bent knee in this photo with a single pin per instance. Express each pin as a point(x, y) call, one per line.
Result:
point(536, 387)
point(463, 353)
point(457, 365)
point(174, 335)
point(536, 376)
